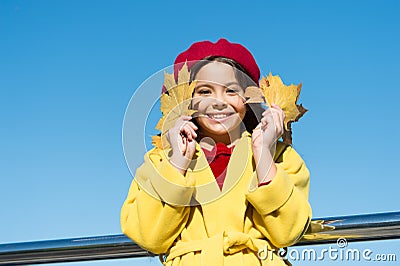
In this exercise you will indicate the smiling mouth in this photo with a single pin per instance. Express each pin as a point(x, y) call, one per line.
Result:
point(219, 116)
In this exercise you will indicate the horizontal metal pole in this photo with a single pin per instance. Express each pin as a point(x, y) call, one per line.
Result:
point(365, 227)
point(354, 228)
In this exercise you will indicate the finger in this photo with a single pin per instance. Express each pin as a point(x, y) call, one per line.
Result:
point(269, 111)
point(278, 115)
point(181, 143)
point(263, 122)
point(274, 105)
point(280, 111)
point(185, 118)
point(184, 147)
point(192, 125)
point(257, 127)
point(192, 132)
point(265, 117)
point(190, 149)
point(181, 121)
point(278, 123)
point(186, 132)
point(266, 112)
point(267, 120)
point(281, 114)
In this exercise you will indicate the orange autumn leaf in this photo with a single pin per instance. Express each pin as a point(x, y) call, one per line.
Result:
point(175, 102)
point(273, 91)
point(160, 142)
point(156, 141)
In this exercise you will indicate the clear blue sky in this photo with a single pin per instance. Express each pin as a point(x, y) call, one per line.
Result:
point(69, 68)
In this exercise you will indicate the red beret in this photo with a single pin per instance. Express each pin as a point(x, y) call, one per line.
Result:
point(223, 48)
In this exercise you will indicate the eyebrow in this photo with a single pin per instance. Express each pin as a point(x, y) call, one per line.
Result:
point(231, 83)
point(210, 86)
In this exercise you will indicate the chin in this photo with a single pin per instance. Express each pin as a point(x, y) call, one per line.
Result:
point(213, 128)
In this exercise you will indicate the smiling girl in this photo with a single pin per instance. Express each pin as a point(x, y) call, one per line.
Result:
point(226, 192)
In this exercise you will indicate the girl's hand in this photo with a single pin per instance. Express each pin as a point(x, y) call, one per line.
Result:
point(264, 138)
point(182, 138)
point(269, 130)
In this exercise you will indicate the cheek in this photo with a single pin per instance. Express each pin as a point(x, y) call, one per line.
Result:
point(200, 120)
point(240, 107)
point(202, 124)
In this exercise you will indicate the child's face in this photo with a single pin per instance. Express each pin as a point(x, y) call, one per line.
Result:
point(219, 100)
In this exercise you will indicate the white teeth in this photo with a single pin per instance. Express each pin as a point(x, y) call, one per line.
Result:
point(218, 116)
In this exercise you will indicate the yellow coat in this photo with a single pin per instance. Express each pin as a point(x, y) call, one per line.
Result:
point(192, 222)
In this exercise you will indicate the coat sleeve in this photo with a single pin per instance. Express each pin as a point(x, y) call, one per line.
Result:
point(283, 212)
point(151, 216)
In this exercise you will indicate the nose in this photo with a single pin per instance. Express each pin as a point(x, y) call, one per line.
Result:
point(218, 104)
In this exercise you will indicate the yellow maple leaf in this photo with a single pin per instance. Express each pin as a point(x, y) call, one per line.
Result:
point(183, 77)
point(169, 81)
point(156, 141)
point(285, 96)
point(183, 74)
point(175, 102)
point(160, 142)
point(274, 91)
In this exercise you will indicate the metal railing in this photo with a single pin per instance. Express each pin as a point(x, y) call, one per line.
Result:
point(365, 227)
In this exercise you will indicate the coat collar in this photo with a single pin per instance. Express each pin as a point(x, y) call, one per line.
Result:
point(240, 163)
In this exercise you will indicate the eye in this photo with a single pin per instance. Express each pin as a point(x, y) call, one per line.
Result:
point(232, 91)
point(204, 91)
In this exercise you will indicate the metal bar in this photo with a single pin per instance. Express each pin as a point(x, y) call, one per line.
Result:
point(354, 228)
point(69, 250)
point(365, 227)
